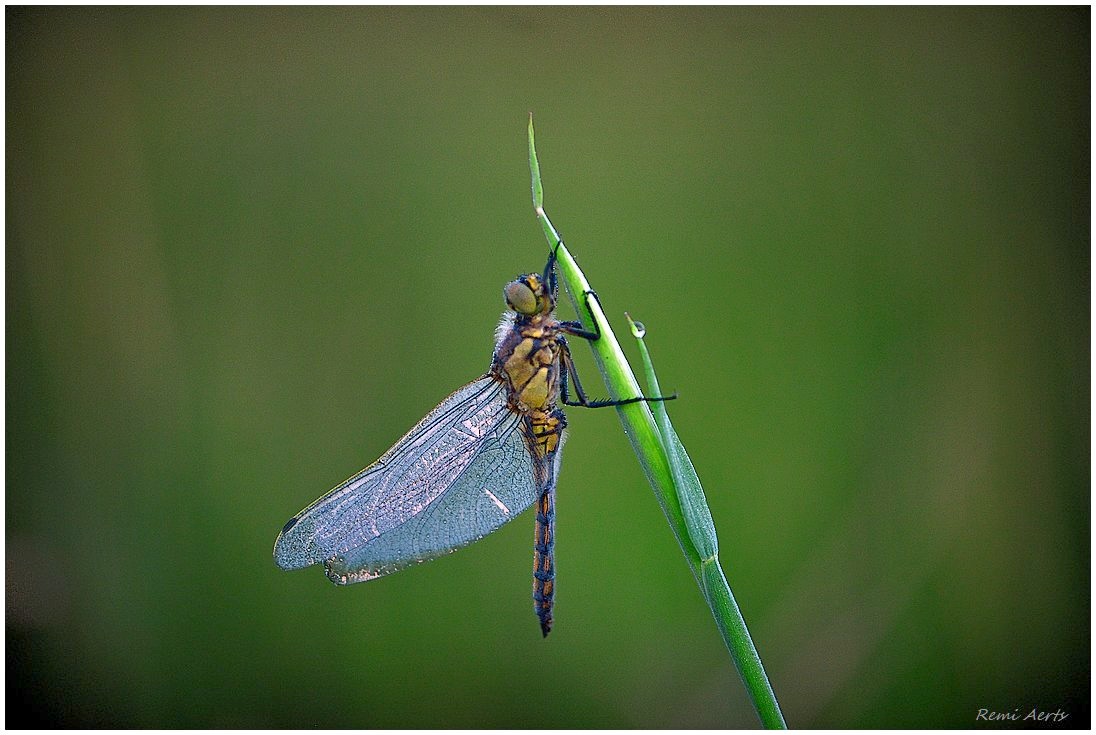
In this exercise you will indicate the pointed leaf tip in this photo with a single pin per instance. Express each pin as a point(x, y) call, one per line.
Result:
point(534, 171)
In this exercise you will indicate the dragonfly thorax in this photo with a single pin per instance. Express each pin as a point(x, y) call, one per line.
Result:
point(527, 360)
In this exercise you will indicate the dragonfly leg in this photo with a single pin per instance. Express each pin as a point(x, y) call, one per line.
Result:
point(544, 567)
point(571, 327)
point(577, 329)
point(570, 375)
point(549, 276)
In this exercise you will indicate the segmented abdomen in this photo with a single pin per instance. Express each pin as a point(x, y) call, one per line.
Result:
point(544, 568)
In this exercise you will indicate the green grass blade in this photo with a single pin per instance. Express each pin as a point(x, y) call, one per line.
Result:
point(732, 626)
point(701, 529)
point(698, 518)
point(666, 465)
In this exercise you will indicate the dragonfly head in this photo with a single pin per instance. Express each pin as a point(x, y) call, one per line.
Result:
point(529, 295)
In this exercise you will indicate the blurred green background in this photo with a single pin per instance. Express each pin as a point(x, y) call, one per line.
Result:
point(248, 248)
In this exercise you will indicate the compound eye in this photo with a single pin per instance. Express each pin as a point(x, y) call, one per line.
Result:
point(521, 298)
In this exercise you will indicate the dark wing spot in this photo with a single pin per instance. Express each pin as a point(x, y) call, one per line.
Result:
point(289, 524)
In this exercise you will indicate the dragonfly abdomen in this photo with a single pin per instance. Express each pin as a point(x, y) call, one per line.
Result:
point(544, 568)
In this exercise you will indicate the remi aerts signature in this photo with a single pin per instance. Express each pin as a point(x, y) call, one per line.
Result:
point(1022, 715)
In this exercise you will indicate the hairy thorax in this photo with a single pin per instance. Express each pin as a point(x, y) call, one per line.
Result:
point(527, 360)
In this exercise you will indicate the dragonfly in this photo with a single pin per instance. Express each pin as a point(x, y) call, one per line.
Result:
point(487, 453)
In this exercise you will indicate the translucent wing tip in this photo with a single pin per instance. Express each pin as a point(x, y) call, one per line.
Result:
point(291, 551)
point(296, 549)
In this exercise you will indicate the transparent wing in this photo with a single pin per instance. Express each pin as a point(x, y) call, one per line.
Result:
point(459, 474)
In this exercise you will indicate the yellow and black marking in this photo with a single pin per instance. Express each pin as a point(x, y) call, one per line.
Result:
point(546, 431)
point(534, 363)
